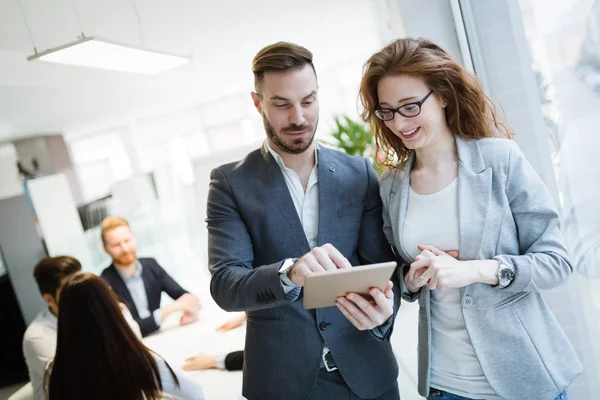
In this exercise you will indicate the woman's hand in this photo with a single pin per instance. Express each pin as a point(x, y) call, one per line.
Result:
point(440, 270)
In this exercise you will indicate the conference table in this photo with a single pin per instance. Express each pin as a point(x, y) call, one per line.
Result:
point(176, 343)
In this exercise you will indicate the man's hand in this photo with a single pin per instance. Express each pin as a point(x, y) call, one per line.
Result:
point(188, 303)
point(368, 314)
point(188, 318)
point(232, 323)
point(319, 259)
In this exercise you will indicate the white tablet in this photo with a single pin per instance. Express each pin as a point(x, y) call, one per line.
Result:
point(322, 289)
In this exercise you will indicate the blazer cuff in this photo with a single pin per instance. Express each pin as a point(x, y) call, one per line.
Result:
point(523, 275)
point(382, 331)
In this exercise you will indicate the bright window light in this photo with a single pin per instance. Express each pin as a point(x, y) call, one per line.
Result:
point(96, 53)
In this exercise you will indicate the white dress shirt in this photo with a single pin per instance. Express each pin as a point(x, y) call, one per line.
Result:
point(137, 290)
point(39, 346)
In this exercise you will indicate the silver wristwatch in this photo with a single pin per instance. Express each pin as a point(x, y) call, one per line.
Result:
point(505, 274)
point(284, 271)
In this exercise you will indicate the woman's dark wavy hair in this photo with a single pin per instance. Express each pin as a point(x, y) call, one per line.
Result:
point(470, 114)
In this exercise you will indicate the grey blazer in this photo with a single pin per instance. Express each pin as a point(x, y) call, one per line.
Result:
point(506, 213)
point(252, 227)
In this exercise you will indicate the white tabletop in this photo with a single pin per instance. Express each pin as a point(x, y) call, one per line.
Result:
point(176, 343)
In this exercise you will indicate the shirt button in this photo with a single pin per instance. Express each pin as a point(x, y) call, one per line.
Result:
point(468, 301)
point(323, 325)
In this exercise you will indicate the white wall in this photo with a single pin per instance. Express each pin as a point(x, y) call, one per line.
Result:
point(58, 218)
point(10, 185)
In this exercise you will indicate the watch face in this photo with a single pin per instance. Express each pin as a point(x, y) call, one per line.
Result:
point(506, 276)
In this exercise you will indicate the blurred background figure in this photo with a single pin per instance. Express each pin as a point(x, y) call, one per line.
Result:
point(39, 342)
point(139, 283)
point(98, 356)
point(233, 361)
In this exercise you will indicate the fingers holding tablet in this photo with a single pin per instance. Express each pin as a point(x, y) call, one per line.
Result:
point(367, 314)
point(318, 260)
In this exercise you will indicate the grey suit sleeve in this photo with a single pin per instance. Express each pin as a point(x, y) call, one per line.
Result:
point(235, 285)
point(544, 261)
point(373, 247)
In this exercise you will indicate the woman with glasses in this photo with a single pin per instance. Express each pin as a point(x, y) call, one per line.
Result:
point(477, 229)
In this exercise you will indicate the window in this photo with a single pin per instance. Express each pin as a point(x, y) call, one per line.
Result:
point(564, 39)
point(100, 160)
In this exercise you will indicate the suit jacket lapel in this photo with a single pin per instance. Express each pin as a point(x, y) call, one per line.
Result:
point(474, 190)
point(399, 205)
point(329, 176)
point(150, 293)
point(274, 181)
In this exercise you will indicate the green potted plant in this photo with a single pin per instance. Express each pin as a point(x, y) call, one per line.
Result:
point(354, 138)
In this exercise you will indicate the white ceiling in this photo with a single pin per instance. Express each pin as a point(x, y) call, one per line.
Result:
point(221, 36)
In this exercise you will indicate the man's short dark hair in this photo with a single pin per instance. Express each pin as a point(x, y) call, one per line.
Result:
point(279, 57)
point(50, 271)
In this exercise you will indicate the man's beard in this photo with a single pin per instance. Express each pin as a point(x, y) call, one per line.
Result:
point(126, 259)
point(292, 146)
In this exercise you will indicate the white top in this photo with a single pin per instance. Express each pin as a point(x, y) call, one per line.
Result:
point(433, 219)
point(39, 346)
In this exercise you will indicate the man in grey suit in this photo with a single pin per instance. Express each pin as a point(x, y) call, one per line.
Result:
point(289, 209)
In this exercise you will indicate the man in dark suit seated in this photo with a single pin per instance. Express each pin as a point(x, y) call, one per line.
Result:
point(140, 282)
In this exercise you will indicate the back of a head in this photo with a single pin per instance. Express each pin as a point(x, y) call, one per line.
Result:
point(97, 354)
point(50, 272)
point(279, 57)
point(470, 114)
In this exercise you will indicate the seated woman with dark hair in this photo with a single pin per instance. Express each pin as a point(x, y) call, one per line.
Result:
point(99, 357)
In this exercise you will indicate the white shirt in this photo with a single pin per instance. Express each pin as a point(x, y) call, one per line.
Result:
point(433, 219)
point(307, 206)
point(137, 289)
point(306, 202)
point(39, 346)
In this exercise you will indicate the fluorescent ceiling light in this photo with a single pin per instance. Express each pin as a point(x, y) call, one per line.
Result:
point(98, 53)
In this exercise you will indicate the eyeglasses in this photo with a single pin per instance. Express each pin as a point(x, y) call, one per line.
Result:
point(408, 110)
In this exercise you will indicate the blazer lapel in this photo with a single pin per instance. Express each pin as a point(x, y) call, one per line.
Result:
point(329, 176)
point(274, 181)
point(399, 204)
point(474, 190)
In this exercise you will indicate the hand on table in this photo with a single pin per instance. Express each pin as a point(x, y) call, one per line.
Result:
point(232, 323)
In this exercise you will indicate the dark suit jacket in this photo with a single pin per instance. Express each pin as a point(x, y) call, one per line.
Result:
point(156, 280)
point(253, 226)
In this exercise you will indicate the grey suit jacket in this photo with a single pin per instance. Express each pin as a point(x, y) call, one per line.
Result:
point(506, 213)
point(253, 227)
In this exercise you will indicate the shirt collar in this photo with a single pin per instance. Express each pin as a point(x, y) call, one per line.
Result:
point(136, 274)
point(49, 317)
point(279, 160)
